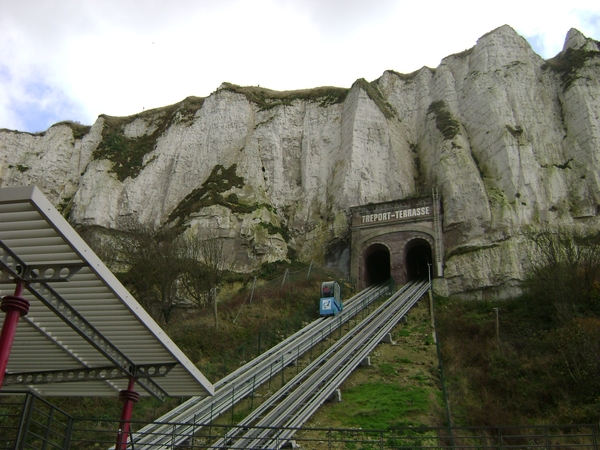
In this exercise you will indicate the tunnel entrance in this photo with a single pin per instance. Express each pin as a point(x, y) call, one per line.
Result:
point(377, 264)
point(418, 259)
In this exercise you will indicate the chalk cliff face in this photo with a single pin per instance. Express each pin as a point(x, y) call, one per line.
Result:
point(510, 140)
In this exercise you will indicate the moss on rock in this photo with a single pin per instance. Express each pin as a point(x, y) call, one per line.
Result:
point(127, 154)
point(444, 121)
point(374, 94)
point(267, 98)
point(569, 63)
point(211, 192)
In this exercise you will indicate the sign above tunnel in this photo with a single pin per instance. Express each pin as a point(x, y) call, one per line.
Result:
point(407, 210)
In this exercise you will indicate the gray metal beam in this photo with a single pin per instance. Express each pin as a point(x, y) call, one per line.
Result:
point(13, 267)
point(87, 374)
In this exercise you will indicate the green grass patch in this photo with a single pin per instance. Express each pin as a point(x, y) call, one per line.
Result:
point(375, 94)
point(273, 229)
point(79, 130)
point(220, 180)
point(387, 369)
point(20, 167)
point(267, 98)
point(380, 406)
point(569, 63)
point(444, 121)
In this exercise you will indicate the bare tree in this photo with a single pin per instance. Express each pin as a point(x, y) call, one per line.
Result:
point(205, 265)
point(565, 270)
point(154, 262)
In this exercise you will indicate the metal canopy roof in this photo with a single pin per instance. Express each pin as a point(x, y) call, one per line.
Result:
point(84, 335)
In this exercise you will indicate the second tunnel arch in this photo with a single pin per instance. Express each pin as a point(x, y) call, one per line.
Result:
point(418, 259)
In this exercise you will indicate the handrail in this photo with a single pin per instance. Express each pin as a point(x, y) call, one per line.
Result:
point(293, 404)
point(240, 383)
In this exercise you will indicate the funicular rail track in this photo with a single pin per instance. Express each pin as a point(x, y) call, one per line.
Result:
point(291, 406)
point(241, 383)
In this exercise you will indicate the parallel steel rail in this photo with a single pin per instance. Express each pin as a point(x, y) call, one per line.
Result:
point(292, 405)
point(239, 384)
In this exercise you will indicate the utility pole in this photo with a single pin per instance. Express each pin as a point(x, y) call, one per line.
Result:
point(497, 311)
point(430, 295)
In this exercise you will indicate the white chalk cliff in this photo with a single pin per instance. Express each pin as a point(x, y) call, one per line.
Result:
point(510, 140)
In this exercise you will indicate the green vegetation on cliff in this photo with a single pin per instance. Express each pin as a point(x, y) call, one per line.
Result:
point(444, 121)
point(375, 94)
point(127, 154)
point(569, 63)
point(220, 180)
point(267, 98)
point(533, 359)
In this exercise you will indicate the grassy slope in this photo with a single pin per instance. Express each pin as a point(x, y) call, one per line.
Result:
point(537, 370)
point(526, 379)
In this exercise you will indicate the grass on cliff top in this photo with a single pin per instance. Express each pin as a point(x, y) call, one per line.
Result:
point(376, 96)
point(569, 64)
point(267, 98)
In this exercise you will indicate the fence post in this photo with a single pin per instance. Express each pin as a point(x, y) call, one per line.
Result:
point(252, 293)
point(232, 404)
point(309, 269)
point(68, 433)
point(193, 440)
point(259, 335)
point(252, 398)
point(25, 419)
point(211, 419)
point(284, 277)
point(48, 427)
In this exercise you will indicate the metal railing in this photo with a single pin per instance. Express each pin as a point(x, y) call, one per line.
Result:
point(88, 434)
point(28, 421)
point(293, 404)
point(242, 382)
point(51, 428)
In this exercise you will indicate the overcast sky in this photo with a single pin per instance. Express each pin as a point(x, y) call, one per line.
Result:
point(77, 59)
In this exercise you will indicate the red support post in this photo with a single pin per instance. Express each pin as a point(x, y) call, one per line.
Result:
point(129, 397)
point(14, 306)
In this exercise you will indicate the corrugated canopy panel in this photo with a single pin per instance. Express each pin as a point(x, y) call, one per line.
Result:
point(84, 333)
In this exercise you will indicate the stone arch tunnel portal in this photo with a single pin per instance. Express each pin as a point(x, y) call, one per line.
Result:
point(418, 260)
point(401, 240)
point(377, 264)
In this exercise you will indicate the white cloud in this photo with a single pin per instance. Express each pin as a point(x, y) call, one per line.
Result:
point(73, 60)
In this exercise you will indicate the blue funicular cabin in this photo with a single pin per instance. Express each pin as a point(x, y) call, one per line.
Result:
point(331, 298)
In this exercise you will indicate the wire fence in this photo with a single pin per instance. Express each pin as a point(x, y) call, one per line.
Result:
point(283, 288)
point(29, 422)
